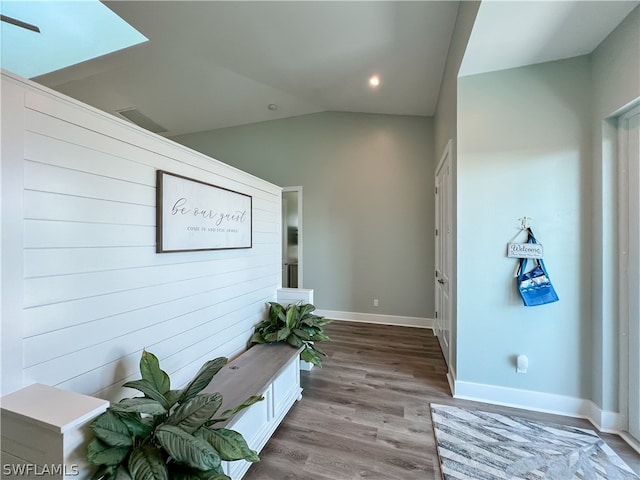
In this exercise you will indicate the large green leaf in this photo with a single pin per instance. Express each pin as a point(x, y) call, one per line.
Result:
point(283, 334)
point(276, 312)
point(147, 463)
point(192, 414)
point(292, 316)
point(172, 397)
point(311, 331)
point(109, 428)
point(187, 449)
point(320, 337)
point(202, 378)
point(227, 414)
point(271, 337)
point(99, 453)
point(308, 355)
point(318, 350)
point(138, 426)
point(316, 321)
point(301, 334)
point(230, 444)
point(309, 322)
point(306, 309)
point(149, 389)
point(150, 371)
point(294, 341)
point(256, 338)
point(139, 405)
point(323, 322)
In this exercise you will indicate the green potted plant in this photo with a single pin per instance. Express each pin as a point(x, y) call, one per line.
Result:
point(167, 434)
point(296, 325)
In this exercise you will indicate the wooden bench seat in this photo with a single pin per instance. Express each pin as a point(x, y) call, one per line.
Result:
point(271, 370)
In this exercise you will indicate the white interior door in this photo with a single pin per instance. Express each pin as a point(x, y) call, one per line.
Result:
point(443, 243)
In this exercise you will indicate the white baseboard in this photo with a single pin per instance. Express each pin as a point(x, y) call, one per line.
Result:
point(377, 318)
point(451, 378)
point(633, 443)
point(604, 421)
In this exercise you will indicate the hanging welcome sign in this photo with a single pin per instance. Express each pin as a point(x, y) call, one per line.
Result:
point(194, 215)
point(524, 250)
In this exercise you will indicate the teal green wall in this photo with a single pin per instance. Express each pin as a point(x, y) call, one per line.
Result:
point(368, 201)
point(540, 141)
point(524, 149)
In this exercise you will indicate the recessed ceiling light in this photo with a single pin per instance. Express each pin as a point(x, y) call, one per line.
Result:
point(374, 81)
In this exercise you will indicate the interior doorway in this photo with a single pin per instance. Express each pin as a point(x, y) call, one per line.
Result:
point(444, 246)
point(629, 228)
point(292, 237)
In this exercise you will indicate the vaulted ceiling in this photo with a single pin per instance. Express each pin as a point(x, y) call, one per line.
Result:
point(214, 64)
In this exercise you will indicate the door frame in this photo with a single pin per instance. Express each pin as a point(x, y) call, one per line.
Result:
point(629, 333)
point(297, 189)
point(445, 160)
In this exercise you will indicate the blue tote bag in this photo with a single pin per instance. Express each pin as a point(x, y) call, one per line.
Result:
point(535, 286)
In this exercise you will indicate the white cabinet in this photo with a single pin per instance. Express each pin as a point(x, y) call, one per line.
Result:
point(286, 296)
point(45, 432)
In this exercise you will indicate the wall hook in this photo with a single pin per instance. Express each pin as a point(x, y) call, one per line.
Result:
point(525, 223)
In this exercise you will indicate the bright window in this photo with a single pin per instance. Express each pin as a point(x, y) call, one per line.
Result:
point(70, 32)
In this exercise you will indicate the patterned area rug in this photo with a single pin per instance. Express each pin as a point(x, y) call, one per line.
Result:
point(477, 445)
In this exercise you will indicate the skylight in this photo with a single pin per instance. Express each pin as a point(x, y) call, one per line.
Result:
point(70, 32)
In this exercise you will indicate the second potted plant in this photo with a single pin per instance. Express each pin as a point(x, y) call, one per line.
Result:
point(296, 325)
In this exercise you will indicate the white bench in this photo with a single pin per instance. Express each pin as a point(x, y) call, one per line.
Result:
point(45, 426)
point(271, 370)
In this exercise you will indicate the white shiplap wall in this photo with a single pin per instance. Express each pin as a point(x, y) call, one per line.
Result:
point(94, 292)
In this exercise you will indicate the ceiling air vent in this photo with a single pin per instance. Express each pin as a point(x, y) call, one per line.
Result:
point(136, 116)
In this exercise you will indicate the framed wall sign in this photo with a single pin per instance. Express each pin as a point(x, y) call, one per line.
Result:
point(194, 215)
point(524, 250)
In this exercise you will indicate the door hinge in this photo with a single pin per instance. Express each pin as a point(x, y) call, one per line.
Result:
point(436, 314)
point(436, 232)
point(436, 190)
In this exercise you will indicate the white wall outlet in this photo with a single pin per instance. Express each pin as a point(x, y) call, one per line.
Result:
point(522, 364)
point(376, 302)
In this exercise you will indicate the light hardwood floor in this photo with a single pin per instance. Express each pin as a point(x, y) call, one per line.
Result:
point(365, 414)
